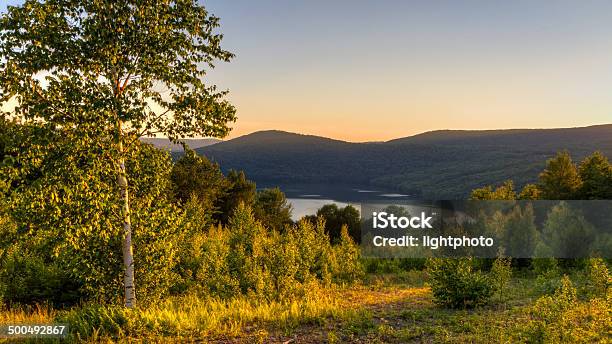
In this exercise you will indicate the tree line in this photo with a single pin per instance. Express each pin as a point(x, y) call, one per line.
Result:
point(562, 179)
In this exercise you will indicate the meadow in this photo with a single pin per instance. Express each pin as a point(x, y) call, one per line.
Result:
point(384, 308)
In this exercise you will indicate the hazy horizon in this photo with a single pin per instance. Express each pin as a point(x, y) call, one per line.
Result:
point(393, 138)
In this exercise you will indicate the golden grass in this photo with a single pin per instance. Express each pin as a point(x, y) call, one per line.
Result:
point(38, 314)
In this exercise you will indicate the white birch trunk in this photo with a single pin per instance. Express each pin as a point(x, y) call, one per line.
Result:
point(128, 256)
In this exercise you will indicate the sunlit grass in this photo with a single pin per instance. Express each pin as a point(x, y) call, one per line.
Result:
point(188, 317)
point(384, 310)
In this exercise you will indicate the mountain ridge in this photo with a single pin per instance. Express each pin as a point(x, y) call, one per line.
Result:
point(438, 164)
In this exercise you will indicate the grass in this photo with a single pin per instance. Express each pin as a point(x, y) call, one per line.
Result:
point(395, 308)
point(188, 318)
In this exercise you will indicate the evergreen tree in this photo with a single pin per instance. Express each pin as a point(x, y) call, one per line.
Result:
point(596, 174)
point(335, 218)
point(272, 209)
point(560, 179)
point(241, 190)
point(195, 176)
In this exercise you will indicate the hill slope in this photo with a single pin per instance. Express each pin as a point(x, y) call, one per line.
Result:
point(438, 164)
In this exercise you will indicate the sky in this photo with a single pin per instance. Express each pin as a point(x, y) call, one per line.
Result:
point(376, 70)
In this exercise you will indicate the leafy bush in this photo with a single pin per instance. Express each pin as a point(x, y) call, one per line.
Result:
point(562, 318)
point(247, 258)
point(349, 267)
point(501, 272)
point(548, 281)
point(543, 265)
point(598, 278)
point(548, 274)
point(26, 279)
point(456, 285)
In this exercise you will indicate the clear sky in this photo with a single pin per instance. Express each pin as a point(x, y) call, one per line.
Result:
point(376, 70)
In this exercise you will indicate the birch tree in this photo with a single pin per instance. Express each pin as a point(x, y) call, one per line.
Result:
point(115, 71)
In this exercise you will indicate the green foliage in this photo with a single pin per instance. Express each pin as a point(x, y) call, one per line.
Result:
point(393, 265)
point(241, 190)
point(113, 72)
point(598, 279)
point(455, 284)
point(530, 192)
point(26, 279)
point(8, 230)
point(567, 232)
point(105, 62)
point(548, 275)
point(195, 176)
point(562, 318)
point(519, 232)
point(560, 179)
point(247, 258)
point(63, 201)
point(204, 267)
point(595, 172)
point(217, 197)
point(506, 192)
point(335, 218)
point(272, 209)
point(542, 265)
point(501, 272)
point(347, 255)
point(503, 192)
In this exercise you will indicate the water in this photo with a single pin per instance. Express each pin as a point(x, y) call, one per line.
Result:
point(309, 206)
point(306, 199)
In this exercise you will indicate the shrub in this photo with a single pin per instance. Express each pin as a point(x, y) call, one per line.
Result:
point(598, 278)
point(543, 265)
point(272, 209)
point(456, 285)
point(562, 318)
point(203, 266)
point(26, 279)
point(548, 274)
point(501, 272)
point(246, 258)
point(381, 266)
point(548, 281)
point(348, 268)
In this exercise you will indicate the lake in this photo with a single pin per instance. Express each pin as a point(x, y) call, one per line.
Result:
point(306, 199)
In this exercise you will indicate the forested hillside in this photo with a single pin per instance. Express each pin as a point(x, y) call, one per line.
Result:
point(438, 164)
